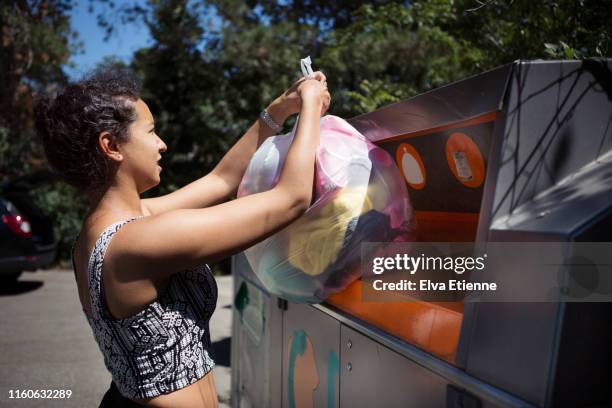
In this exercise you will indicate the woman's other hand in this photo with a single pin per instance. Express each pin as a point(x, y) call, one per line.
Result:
point(290, 102)
point(326, 101)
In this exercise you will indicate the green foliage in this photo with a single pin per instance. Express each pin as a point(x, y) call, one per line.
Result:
point(372, 94)
point(523, 29)
point(392, 52)
point(34, 44)
point(67, 207)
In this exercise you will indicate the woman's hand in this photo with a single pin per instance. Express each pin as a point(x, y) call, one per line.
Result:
point(312, 91)
point(290, 102)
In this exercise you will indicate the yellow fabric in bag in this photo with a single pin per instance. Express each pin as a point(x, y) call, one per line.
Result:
point(314, 242)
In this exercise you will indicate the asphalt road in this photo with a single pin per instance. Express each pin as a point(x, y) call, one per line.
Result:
point(46, 343)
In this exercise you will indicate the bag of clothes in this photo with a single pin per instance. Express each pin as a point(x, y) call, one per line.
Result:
point(359, 196)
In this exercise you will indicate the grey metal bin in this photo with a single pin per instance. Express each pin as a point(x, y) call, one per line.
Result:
point(544, 129)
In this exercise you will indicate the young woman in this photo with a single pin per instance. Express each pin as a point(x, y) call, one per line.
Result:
point(140, 264)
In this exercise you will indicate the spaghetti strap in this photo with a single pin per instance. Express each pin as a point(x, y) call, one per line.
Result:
point(115, 225)
point(94, 265)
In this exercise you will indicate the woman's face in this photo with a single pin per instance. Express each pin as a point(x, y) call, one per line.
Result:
point(143, 149)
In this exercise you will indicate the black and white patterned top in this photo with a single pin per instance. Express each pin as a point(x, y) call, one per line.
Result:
point(164, 347)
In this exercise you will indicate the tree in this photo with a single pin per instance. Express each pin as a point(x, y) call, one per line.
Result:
point(523, 29)
point(36, 40)
point(35, 43)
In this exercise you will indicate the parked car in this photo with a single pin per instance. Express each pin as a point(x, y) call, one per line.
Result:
point(27, 241)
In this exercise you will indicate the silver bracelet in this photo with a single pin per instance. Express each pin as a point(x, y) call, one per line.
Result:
point(265, 116)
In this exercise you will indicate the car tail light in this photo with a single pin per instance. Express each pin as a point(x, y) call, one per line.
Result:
point(18, 224)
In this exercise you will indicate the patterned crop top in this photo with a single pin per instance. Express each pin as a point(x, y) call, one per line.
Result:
point(165, 346)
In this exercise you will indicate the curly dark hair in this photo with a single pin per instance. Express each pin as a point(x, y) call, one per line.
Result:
point(69, 125)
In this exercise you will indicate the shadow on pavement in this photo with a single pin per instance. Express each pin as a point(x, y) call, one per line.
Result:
point(19, 287)
point(221, 351)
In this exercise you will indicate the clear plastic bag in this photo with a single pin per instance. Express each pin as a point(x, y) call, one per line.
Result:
point(359, 196)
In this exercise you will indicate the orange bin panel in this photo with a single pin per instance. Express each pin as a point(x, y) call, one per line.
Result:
point(431, 326)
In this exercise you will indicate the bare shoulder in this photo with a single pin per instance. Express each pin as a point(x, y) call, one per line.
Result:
point(146, 244)
point(91, 230)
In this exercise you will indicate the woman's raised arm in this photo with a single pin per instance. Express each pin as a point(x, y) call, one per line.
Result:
point(172, 241)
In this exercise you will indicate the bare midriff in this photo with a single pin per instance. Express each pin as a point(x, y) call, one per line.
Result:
point(200, 394)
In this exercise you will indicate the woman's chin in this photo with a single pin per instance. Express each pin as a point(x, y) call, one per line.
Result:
point(157, 175)
point(153, 182)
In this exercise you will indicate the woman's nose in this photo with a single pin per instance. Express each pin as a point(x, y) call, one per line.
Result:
point(162, 147)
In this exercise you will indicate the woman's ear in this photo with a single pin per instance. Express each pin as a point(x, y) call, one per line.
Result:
point(109, 146)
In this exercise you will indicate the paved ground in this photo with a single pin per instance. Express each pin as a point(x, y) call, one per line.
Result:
point(46, 343)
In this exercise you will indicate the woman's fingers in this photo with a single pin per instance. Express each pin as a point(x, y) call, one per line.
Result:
point(319, 76)
point(295, 85)
point(326, 102)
